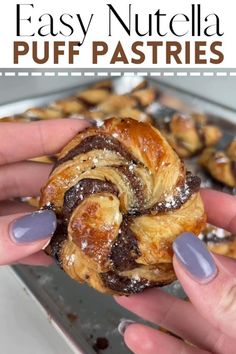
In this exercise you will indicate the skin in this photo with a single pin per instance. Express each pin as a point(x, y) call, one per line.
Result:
point(21, 178)
point(208, 320)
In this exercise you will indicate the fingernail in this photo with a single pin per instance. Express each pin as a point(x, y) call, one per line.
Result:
point(34, 227)
point(123, 326)
point(194, 257)
point(93, 122)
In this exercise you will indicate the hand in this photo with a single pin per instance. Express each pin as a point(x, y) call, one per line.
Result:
point(23, 233)
point(208, 321)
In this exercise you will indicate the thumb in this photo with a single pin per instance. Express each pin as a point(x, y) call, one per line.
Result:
point(23, 235)
point(209, 281)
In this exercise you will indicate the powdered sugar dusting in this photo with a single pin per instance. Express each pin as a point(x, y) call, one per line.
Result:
point(99, 123)
point(222, 159)
point(70, 259)
point(84, 245)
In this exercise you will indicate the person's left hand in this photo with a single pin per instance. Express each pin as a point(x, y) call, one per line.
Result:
point(23, 233)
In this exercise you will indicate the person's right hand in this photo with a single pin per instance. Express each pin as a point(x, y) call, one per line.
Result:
point(208, 321)
point(23, 232)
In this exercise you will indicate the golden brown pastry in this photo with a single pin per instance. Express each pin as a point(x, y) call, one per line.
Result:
point(119, 105)
point(68, 106)
point(121, 195)
point(145, 96)
point(221, 164)
point(123, 106)
point(117, 102)
point(43, 113)
point(219, 241)
point(18, 118)
point(33, 201)
point(146, 90)
point(103, 84)
point(134, 113)
point(188, 134)
point(98, 102)
point(93, 96)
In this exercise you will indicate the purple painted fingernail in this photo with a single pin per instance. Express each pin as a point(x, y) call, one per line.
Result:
point(194, 257)
point(34, 227)
point(93, 122)
point(123, 325)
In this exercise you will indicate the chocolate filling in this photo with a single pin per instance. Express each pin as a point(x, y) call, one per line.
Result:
point(83, 189)
point(126, 285)
point(184, 192)
point(125, 249)
point(99, 142)
point(233, 167)
point(86, 103)
point(134, 180)
point(54, 248)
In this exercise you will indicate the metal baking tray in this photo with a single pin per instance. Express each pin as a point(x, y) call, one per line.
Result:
point(87, 318)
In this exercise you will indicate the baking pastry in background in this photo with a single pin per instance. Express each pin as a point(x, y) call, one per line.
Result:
point(98, 101)
point(122, 106)
point(107, 104)
point(40, 113)
point(219, 241)
point(68, 106)
point(121, 195)
point(93, 96)
point(140, 116)
point(175, 103)
point(133, 112)
point(96, 93)
point(221, 164)
point(189, 134)
point(103, 84)
point(18, 118)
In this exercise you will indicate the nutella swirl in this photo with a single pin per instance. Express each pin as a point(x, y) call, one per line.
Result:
point(102, 218)
point(100, 142)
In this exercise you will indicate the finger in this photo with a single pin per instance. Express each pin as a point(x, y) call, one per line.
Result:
point(220, 209)
point(209, 282)
point(37, 259)
point(9, 207)
point(165, 310)
point(21, 141)
point(144, 340)
point(23, 179)
point(24, 235)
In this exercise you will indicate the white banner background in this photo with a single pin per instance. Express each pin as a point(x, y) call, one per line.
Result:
point(99, 31)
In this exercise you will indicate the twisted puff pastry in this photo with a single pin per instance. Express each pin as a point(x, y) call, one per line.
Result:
point(121, 195)
point(189, 134)
point(219, 241)
point(221, 164)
